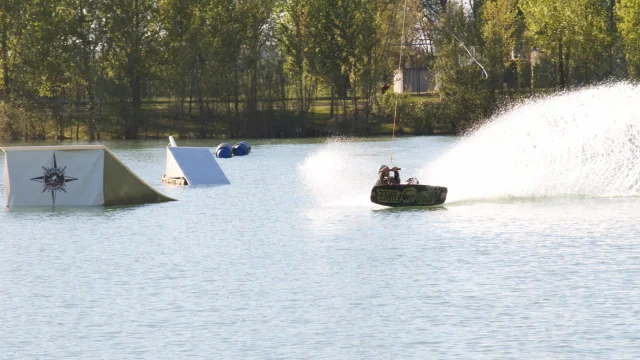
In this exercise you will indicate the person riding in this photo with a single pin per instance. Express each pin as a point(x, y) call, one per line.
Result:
point(385, 179)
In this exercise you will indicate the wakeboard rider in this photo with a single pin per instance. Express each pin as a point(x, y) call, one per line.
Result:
point(384, 177)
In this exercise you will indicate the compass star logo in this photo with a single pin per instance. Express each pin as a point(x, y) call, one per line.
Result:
point(54, 179)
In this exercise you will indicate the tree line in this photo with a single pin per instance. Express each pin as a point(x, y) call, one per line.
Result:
point(131, 68)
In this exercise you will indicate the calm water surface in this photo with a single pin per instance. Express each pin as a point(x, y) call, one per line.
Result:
point(292, 261)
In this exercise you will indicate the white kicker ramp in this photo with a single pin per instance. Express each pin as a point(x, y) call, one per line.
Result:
point(196, 164)
point(79, 175)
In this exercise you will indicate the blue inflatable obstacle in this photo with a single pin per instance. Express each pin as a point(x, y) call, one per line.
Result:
point(224, 150)
point(241, 148)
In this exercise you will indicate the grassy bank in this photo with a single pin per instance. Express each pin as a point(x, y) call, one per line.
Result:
point(161, 117)
point(416, 114)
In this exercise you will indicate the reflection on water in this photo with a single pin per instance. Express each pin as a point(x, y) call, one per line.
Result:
point(411, 209)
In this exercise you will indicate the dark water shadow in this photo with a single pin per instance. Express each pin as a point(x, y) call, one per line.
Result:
point(187, 187)
point(64, 211)
point(545, 199)
point(404, 209)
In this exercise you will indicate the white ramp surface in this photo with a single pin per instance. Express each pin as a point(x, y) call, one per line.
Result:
point(195, 164)
point(78, 175)
point(57, 177)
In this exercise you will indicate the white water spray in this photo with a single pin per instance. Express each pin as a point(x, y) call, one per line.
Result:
point(341, 172)
point(581, 143)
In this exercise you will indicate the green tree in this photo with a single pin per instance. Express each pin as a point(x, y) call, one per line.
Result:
point(132, 50)
point(592, 36)
point(86, 34)
point(180, 43)
point(346, 49)
point(45, 59)
point(572, 34)
point(292, 33)
point(11, 30)
point(548, 24)
point(434, 8)
point(258, 20)
point(628, 12)
point(225, 33)
point(325, 53)
point(462, 88)
point(500, 21)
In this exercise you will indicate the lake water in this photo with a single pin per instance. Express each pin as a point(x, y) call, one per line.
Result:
point(292, 261)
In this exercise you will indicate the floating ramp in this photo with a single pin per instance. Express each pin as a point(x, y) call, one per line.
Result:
point(84, 175)
point(192, 166)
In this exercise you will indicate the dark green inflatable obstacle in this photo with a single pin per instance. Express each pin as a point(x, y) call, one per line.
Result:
point(408, 195)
